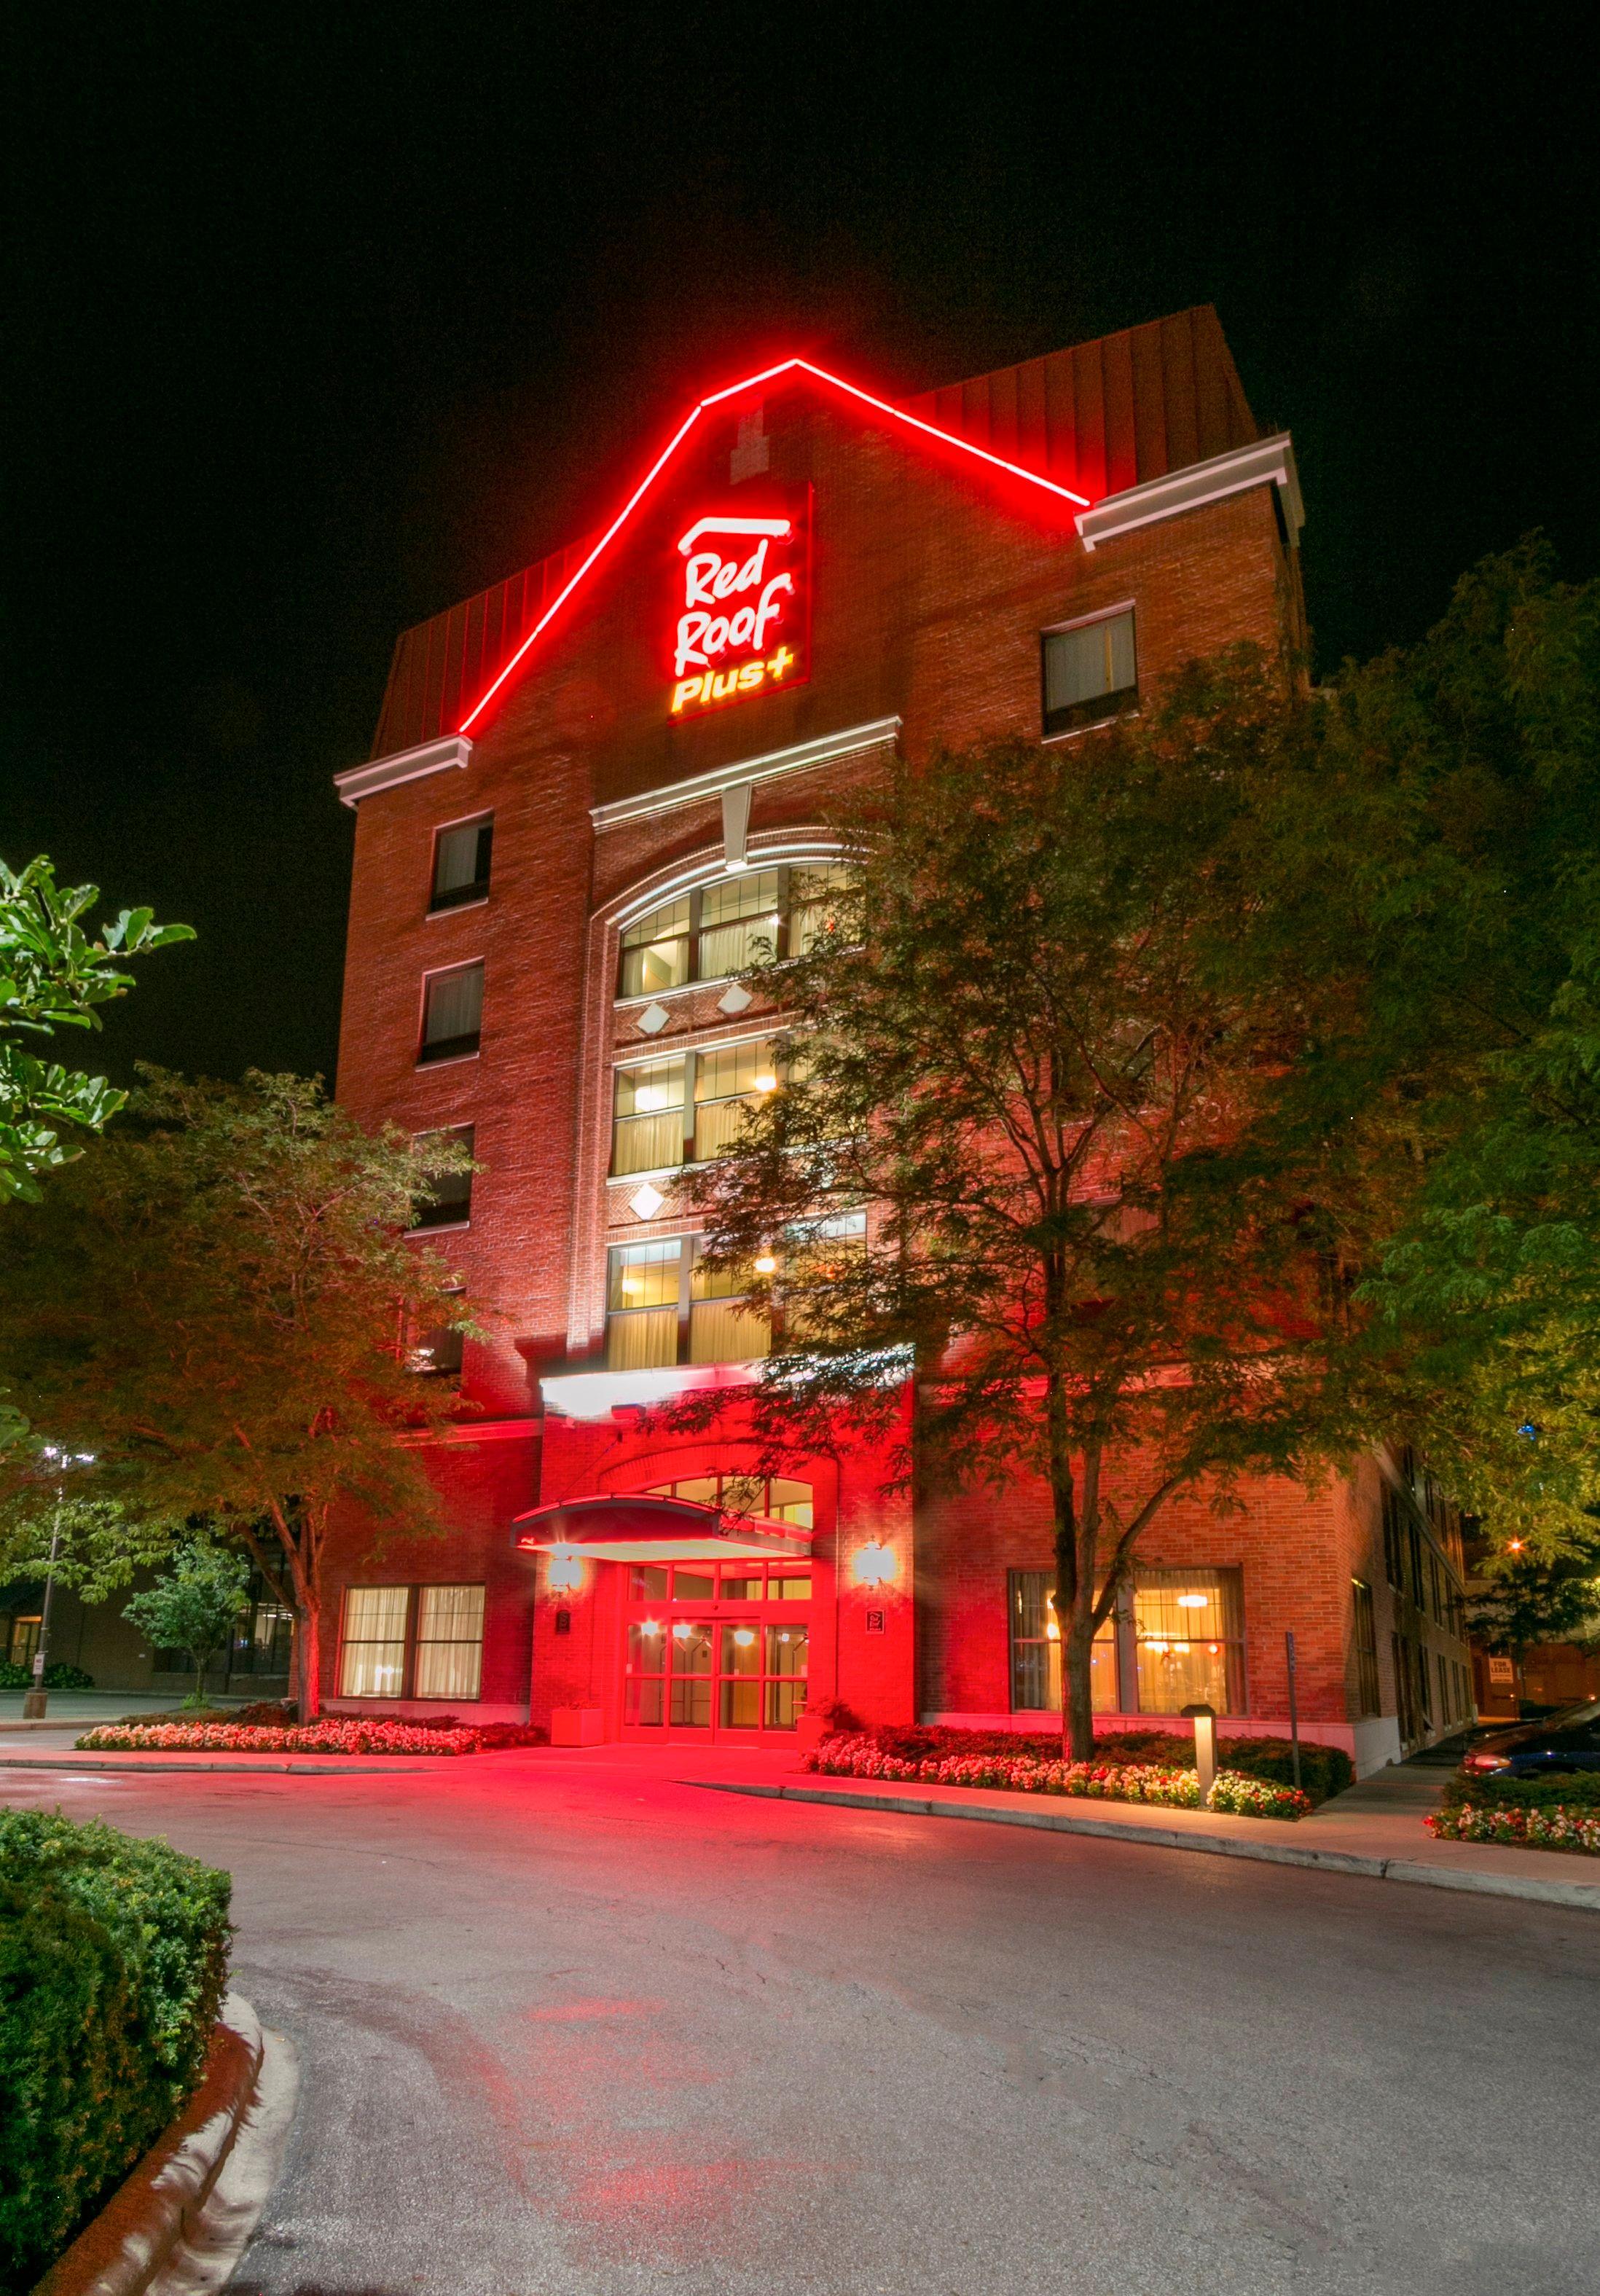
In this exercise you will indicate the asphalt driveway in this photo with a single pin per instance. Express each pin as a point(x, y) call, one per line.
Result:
point(569, 2026)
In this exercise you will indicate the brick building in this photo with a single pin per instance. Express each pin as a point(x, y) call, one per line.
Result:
point(594, 789)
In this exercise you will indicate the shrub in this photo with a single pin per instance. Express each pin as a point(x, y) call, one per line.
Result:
point(113, 1961)
point(1577, 1790)
point(338, 1733)
point(58, 1676)
point(1549, 1827)
point(1325, 1770)
point(864, 1756)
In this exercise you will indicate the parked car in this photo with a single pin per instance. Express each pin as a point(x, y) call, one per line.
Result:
point(1568, 1740)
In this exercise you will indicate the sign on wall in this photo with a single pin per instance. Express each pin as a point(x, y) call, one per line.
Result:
point(741, 608)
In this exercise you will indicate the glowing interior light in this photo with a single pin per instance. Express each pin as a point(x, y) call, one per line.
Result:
point(744, 1637)
point(682, 1631)
point(1159, 1648)
point(767, 1265)
point(1180, 1650)
point(1192, 1602)
point(873, 1564)
point(630, 1285)
point(1035, 478)
point(1052, 1631)
point(767, 1082)
point(650, 1626)
point(565, 1570)
point(653, 1096)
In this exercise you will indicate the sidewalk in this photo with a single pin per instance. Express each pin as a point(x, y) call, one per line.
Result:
point(1374, 1831)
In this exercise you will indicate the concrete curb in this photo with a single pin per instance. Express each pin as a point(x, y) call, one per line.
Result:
point(1582, 1896)
point(121, 2251)
point(117, 1765)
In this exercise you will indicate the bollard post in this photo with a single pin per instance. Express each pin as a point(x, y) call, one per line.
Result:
point(1293, 1704)
point(1205, 1746)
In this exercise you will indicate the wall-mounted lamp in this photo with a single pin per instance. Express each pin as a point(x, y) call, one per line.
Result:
point(874, 1565)
point(564, 1571)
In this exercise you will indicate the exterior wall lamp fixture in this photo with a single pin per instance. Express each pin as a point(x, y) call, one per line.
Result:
point(874, 1565)
point(564, 1571)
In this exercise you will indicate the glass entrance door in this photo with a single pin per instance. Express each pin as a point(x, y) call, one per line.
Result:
point(716, 1651)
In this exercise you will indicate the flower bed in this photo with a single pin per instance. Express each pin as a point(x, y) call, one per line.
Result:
point(862, 1756)
point(1552, 1827)
point(337, 1736)
point(1325, 1770)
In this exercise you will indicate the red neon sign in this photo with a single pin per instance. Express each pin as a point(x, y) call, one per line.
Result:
point(741, 607)
point(1034, 480)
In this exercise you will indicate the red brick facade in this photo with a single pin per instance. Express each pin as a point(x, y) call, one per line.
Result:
point(933, 577)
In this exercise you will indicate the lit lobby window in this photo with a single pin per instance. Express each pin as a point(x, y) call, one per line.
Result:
point(1189, 1629)
point(730, 926)
point(1036, 1650)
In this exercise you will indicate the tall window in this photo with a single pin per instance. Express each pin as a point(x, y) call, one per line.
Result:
point(1189, 1638)
point(371, 1658)
point(452, 1013)
point(449, 1642)
point(439, 1353)
point(665, 1306)
point(1090, 672)
point(648, 1128)
point(1394, 1536)
point(461, 863)
point(1363, 1635)
point(412, 1641)
point(1036, 1650)
point(730, 926)
point(449, 1202)
point(687, 1107)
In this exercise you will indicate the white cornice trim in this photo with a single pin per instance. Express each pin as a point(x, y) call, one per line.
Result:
point(1269, 461)
point(405, 765)
point(825, 752)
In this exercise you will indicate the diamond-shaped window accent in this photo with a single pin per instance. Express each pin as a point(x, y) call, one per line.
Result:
point(734, 999)
point(654, 1019)
point(645, 1201)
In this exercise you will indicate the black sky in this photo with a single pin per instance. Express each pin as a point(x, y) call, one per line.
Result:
point(320, 320)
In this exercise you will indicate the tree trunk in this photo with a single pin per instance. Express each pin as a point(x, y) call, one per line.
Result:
point(308, 1661)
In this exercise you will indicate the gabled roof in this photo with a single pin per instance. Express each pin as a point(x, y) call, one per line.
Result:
point(1075, 426)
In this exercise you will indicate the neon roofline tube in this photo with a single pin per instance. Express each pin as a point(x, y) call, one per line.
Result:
point(733, 391)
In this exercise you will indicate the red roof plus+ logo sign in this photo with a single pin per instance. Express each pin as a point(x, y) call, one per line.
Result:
point(741, 607)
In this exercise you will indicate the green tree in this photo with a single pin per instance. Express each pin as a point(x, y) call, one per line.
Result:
point(193, 1605)
point(1066, 1038)
point(220, 1302)
point(54, 975)
point(1530, 1600)
point(1459, 812)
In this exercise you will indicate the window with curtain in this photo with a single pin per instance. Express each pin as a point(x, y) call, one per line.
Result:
point(814, 902)
point(739, 919)
point(1036, 1650)
point(722, 1328)
point(452, 1013)
point(449, 1642)
point(655, 951)
point(1090, 672)
point(726, 1083)
point(642, 1303)
point(371, 1655)
point(1189, 1634)
point(461, 862)
point(647, 1131)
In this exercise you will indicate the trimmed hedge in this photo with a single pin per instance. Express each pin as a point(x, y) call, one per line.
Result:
point(113, 1962)
point(58, 1676)
point(1577, 1790)
point(1324, 1770)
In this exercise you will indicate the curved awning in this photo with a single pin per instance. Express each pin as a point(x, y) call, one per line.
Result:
point(631, 1527)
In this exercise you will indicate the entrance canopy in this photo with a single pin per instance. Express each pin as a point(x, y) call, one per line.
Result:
point(633, 1528)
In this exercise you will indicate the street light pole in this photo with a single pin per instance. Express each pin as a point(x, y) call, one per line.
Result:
point(36, 1703)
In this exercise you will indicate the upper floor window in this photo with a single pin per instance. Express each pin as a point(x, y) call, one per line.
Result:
point(777, 1497)
point(686, 1109)
point(1090, 672)
point(728, 927)
point(665, 1306)
point(449, 1202)
point(452, 1013)
point(461, 862)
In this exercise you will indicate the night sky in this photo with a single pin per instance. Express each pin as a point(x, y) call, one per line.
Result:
point(320, 320)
